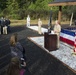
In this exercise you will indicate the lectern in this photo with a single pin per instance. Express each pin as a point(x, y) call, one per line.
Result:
point(50, 41)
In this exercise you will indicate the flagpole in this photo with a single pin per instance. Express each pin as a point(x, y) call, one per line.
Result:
point(71, 19)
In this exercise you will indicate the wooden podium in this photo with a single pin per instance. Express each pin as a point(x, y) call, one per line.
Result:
point(50, 41)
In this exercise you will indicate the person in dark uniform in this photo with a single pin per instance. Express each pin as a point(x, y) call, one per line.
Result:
point(2, 25)
point(7, 23)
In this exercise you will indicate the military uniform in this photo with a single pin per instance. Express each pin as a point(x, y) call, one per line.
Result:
point(57, 29)
point(39, 26)
point(28, 21)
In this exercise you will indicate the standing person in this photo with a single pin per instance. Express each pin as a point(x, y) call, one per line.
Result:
point(57, 29)
point(14, 67)
point(7, 23)
point(28, 21)
point(39, 26)
point(5, 27)
point(17, 50)
point(9, 28)
point(2, 24)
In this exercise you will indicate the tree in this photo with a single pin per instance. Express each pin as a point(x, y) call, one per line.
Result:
point(23, 4)
point(12, 6)
point(2, 4)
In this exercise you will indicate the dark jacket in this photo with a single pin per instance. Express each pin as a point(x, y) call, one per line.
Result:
point(17, 50)
point(2, 22)
point(7, 22)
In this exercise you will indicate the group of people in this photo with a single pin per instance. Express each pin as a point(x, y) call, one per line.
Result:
point(57, 28)
point(39, 24)
point(5, 25)
point(17, 65)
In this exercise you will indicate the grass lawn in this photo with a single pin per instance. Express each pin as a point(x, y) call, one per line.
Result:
point(23, 22)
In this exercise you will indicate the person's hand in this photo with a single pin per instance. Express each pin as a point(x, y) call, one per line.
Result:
point(24, 63)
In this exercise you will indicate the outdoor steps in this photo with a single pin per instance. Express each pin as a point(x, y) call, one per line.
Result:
point(4, 53)
point(47, 64)
point(5, 57)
